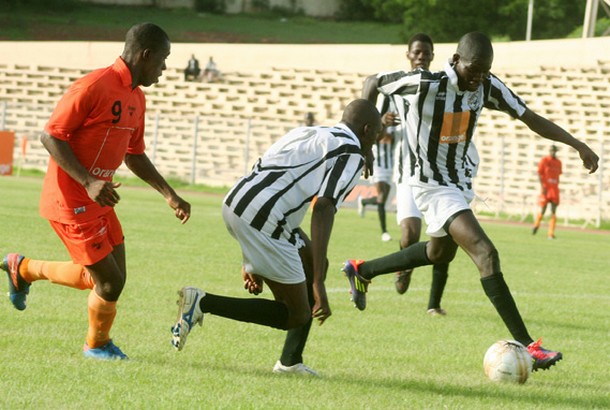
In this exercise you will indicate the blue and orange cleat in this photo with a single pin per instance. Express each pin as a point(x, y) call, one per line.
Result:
point(543, 358)
point(18, 288)
point(109, 351)
point(358, 284)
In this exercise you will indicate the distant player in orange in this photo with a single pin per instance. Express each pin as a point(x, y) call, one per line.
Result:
point(549, 170)
point(97, 124)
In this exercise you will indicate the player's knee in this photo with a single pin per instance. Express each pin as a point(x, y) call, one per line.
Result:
point(111, 290)
point(298, 318)
point(488, 260)
point(440, 255)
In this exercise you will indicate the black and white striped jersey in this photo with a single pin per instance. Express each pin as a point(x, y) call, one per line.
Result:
point(438, 121)
point(304, 163)
point(384, 154)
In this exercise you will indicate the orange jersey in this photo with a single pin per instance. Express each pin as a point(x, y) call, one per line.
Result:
point(102, 119)
point(549, 170)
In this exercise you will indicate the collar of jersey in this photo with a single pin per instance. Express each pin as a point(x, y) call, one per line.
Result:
point(453, 78)
point(121, 68)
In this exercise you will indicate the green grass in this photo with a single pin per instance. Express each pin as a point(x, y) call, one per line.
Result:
point(390, 356)
point(109, 23)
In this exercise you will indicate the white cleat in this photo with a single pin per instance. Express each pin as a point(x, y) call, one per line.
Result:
point(298, 368)
point(386, 237)
point(189, 314)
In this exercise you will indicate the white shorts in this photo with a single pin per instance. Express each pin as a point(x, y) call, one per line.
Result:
point(274, 259)
point(382, 174)
point(405, 204)
point(438, 204)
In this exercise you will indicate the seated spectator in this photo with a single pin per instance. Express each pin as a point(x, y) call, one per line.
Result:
point(211, 72)
point(192, 70)
point(310, 120)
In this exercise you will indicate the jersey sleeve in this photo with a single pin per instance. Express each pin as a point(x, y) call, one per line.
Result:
point(137, 145)
point(501, 98)
point(342, 177)
point(70, 113)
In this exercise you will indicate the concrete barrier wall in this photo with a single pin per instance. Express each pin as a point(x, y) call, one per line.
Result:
point(351, 58)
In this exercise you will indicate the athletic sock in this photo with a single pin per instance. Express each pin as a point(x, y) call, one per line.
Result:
point(294, 345)
point(369, 201)
point(63, 273)
point(407, 258)
point(439, 280)
point(260, 311)
point(538, 220)
point(101, 317)
point(497, 291)
point(382, 218)
point(552, 223)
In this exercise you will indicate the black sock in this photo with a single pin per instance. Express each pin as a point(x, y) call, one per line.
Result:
point(407, 258)
point(439, 280)
point(260, 311)
point(294, 345)
point(369, 201)
point(497, 291)
point(382, 221)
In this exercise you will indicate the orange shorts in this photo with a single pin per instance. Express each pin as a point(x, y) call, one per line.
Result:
point(90, 242)
point(552, 195)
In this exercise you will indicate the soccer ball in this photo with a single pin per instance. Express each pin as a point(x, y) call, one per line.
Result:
point(507, 361)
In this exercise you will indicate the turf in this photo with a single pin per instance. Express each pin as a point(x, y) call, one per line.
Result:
point(390, 356)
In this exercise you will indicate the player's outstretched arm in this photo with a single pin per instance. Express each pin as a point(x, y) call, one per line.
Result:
point(554, 132)
point(322, 220)
point(141, 166)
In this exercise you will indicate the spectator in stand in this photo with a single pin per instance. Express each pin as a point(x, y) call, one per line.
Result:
point(192, 70)
point(211, 72)
point(310, 120)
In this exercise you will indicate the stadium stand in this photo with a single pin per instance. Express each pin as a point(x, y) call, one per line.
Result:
point(211, 133)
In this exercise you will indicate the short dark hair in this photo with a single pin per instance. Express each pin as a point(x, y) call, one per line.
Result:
point(475, 45)
point(146, 36)
point(421, 37)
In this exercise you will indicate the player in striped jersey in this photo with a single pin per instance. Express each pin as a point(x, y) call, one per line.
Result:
point(440, 111)
point(383, 166)
point(264, 211)
point(420, 54)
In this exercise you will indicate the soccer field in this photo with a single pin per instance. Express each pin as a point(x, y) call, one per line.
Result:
point(391, 356)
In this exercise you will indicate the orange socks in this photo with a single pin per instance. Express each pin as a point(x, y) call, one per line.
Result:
point(552, 223)
point(62, 273)
point(538, 220)
point(101, 317)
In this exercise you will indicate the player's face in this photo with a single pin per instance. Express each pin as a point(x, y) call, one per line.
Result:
point(154, 64)
point(420, 55)
point(370, 135)
point(471, 73)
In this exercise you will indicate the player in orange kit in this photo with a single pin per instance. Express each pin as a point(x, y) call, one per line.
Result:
point(549, 170)
point(97, 124)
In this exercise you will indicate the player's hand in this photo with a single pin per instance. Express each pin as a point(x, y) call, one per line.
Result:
point(590, 160)
point(389, 119)
point(103, 192)
point(252, 283)
point(181, 207)
point(321, 308)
